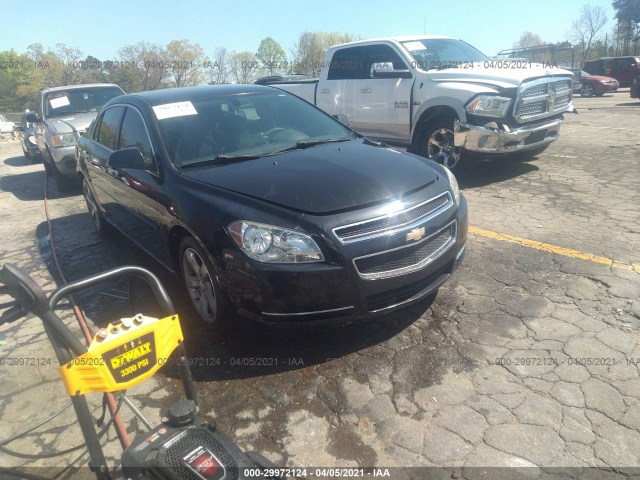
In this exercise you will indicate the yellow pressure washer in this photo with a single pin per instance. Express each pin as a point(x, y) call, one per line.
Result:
point(121, 355)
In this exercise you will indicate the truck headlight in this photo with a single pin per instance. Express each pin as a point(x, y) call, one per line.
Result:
point(63, 140)
point(267, 243)
point(454, 185)
point(489, 106)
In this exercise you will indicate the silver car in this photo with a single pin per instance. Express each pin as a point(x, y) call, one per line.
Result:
point(62, 115)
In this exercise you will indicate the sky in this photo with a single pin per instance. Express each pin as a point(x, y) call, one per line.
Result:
point(101, 28)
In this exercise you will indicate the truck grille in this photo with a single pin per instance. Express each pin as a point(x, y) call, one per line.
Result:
point(408, 258)
point(388, 223)
point(542, 98)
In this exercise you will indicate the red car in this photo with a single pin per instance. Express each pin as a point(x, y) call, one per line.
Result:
point(594, 85)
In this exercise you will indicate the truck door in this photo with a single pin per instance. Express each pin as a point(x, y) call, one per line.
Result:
point(383, 105)
point(337, 93)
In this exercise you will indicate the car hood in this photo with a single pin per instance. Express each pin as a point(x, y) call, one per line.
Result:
point(323, 179)
point(598, 78)
point(76, 122)
point(500, 77)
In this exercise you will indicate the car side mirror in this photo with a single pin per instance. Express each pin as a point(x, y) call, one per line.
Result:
point(32, 117)
point(128, 158)
point(342, 118)
point(391, 73)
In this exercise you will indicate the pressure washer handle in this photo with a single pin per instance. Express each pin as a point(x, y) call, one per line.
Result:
point(29, 298)
point(158, 290)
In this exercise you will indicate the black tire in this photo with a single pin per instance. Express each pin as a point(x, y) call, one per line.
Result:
point(101, 225)
point(436, 143)
point(207, 297)
point(64, 183)
point(587, 90)
point(47, 167)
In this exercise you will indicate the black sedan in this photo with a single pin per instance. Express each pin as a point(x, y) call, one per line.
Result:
point(263, 202)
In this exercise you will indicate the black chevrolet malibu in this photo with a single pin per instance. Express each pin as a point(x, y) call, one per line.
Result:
point(263, 202)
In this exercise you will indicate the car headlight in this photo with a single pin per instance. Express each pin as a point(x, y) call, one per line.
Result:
point(267, 243)
point(489, 106)
point(454, 185)
point(63, 140)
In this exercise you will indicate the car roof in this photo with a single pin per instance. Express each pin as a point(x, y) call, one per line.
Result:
point(75, 87)
point(174, 95)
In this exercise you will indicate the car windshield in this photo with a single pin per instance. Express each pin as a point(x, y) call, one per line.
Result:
point(77, 100)
point(236, 127)
point(438, 53)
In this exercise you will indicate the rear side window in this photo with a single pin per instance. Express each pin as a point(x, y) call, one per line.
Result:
point(134, 133)
point(347, 63)
point(107, 132)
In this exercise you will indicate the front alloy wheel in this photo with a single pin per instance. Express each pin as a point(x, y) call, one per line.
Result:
point(587, 90)
point(206, 295)
point(437, 143)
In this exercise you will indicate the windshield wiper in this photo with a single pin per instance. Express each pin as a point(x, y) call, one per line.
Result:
point(310, 143)
point(220, 160)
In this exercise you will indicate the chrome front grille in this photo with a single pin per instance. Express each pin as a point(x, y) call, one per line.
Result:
point(542, 98)
point(408, 258)
point(388, 224)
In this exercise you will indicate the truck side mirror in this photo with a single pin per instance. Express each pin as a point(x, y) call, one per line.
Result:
point(33, 117)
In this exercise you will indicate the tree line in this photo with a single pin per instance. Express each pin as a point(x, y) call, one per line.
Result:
point(587, 39)
point(149, 66)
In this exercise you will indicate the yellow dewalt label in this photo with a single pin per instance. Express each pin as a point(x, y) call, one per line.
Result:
point(126, 357)
point(131, 355)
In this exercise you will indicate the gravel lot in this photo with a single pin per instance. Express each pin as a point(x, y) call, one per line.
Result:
point(528, 357)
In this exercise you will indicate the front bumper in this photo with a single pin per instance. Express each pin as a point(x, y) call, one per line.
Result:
point(65, 159)
point(602, 88)
point(488, 140)
point(336, 293)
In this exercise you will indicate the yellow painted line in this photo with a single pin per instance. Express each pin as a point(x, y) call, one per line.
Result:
point(567, 252)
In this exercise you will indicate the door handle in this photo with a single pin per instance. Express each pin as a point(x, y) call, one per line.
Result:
point(325, 90)
point(366, 90)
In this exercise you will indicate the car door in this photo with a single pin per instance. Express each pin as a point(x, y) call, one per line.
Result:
point(337, 93)
point(383, 103)
point(137, 189)
point(95, 154)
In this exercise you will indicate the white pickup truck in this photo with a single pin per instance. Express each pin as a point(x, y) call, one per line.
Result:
point(439, 96)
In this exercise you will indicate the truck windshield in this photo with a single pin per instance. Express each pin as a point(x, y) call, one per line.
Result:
point(244, 126)
point(438, 53)
point(77, 100)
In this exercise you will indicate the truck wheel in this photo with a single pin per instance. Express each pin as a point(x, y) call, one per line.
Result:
point(437, 143)
point(47, 166)
point(587, 90)
point(205, 292)
point(64, 183)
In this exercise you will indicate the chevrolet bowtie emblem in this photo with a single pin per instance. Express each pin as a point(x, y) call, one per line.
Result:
point(415, 234)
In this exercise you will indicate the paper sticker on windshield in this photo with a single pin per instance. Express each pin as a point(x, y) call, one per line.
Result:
point(59, 102)
point(413, 46)
point(170, 110)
